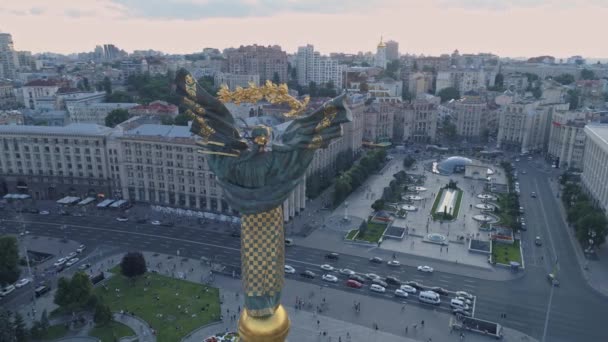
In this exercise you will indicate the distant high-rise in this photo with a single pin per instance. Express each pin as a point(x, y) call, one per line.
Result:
point(110, 52)
point(392, 50)
point(8, 57)
point(312, 67)
point(258, 60)
point(381, 55)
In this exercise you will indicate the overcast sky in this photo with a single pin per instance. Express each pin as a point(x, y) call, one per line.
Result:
point(506, 27)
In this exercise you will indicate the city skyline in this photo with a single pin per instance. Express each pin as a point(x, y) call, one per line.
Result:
point(420, 27)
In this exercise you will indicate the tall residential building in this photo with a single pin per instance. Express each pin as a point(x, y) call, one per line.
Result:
point(312, 67)
point(8, 57)
point(567, 138)
point(392, 50)
point(380, 60)
point(470, 114)
point(595, 163)
point(464, 80)
point(258, 60)
point(419, 121)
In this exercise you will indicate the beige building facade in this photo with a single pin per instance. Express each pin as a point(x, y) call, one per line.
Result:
point(595, 163)
point(567, 139)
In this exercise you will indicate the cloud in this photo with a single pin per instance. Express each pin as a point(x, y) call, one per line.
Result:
point(36, 11)
point(74, 13)
point(200, 9)
point(499, 5)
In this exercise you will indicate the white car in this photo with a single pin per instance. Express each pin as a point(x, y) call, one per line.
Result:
point(464, 300)
point(122, 219)
point(21, 283)
point(60, 262)
point(71, 255)
point(427, 269)
point(394, 263)
point(155, 223)
point(377, 288)
point(330, 278)
point(464, 294)
point(400, 293)
point(24, 233)
point(72, 262)
point(372, 276)
point(346, 271)
point(81, 248)
point(326, 267)
point(44, 212)
point(6, 290)
point(408, 289)
point(289, 269)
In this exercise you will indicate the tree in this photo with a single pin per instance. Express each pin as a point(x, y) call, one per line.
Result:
point(166, 120)
point(20, 328)
point(44, 321)
point(62, 295)
point(499, 81)
point(7, 330)
point(116, 116)
point(537, 92)
point(275, 78)
point(85, 84)
point(312, 89)
point(9, 260)
point(103, 314)
point(107, 85)
point(133, 264)
point(564, 79)
point(207, 83)
point(182, 119)
point(572, 98)
point(81, 289)
point(363, 228)
point(378, 205)
point(408, 161)
point(449, 93)
point(587, 74)
point(119, 97)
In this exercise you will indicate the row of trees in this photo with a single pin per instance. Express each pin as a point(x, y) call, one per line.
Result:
point(319, 181)
point(351, 179)
point(396, 187)
point(13, 328)
point(9, 260)
point(587, 219)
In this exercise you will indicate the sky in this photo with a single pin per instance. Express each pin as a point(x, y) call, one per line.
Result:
point(514, 28)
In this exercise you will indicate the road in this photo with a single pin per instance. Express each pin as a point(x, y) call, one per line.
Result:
point(575, 312)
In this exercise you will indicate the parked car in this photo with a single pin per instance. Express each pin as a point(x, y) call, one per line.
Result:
point(326, 267)
point(71, 255)
point(332, 256)
point(394, 263)
point(440, 290)
point(415, 285)
point(346, 271)
point(379, 282)
point(84, 266)
point(122, 219)
point(141, 220)
point(392, 281)
point(289, 269)
point(553, 279)
point(72, 262)
point(330, 278)
point(167, 224)
point(427, 269)
point(401, 293)
point(461, 312)
point(5, 291)
point(308, 274)
point(354, 284)
point(81, 248)
point(44, 212)
point(357, 278)
point(155, 223)
point(464, 300)
point(533, 194)
point(21, 283)
point(408, 288)
point(371, 276)
point(538, 241)
point(41, 290)
point(60, 262)
point(376, 260)
point(464, 294)
point(377, 288)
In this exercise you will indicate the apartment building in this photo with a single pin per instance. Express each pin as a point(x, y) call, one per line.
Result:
point(420, 118)
point(464, 80)
point(567, 138)
point(471, 116)
point(94, 112)
point(595, 163)
point(233, 81)
point(8, 100)
point(312, 67)
point(51, 162)
point(258, 60)
point(379, 119)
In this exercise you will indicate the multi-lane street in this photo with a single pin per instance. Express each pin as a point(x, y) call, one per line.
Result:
point(572, 313)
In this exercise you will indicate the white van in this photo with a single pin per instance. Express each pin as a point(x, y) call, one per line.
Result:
point(429, 297)
point(7, 290)
point(458, 304)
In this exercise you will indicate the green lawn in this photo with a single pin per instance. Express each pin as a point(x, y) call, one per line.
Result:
point(374, 232)
point(504, 253)
point(351, 234)
point(505, 219)
point(439, 216)
point(436, 203)
point(172, 307)
point(111, 332)
point(55, 332)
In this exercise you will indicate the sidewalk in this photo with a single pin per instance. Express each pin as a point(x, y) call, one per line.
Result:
point(141, 328)
point(596, 273)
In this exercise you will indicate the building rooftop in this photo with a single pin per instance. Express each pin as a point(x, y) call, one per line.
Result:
point(71, 129)
point(165, 131)
point(42, 83)
point(599, 130)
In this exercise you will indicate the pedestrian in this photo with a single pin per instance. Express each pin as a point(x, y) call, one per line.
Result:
point(415, 326)
point(406, 329)
point(422, 323)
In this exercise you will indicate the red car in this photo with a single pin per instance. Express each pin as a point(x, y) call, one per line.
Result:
point(354, 284)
